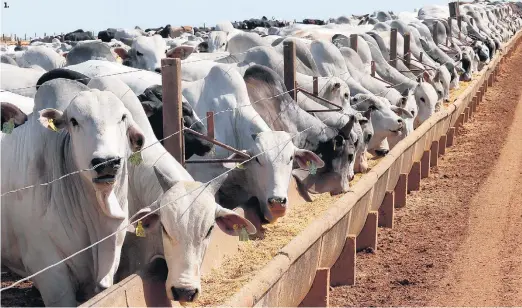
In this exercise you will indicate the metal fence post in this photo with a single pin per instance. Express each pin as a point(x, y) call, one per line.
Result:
point(353, 42)
point(407, 49)
point(172, 108)
point(289, 67)
point(393, 48)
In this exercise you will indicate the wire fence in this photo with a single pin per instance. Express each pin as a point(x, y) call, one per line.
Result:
point(203, 185)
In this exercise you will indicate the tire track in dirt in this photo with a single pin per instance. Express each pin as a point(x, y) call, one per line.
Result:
point(433, 255)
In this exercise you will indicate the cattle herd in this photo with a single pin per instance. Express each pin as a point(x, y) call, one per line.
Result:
point(79, 102)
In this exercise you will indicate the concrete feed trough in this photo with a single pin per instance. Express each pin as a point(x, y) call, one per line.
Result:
point(323, 253)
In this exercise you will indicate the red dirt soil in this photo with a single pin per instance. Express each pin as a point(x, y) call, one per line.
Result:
point(458, 240)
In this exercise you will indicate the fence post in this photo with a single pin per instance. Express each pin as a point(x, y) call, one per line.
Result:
point(453, 9)
point(373, 68)
point(393, 48)
point(289, 67)
point(407, 49)
point(172, 107)
point(316, 85)
point(353, 42)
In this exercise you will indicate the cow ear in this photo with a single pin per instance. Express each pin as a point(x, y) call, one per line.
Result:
point(426, 76)
point(181, 52)
point(52, 119)
point(165, 181)
point(232, 223)
point(401, 112)
point(65, 54)
point(136, 137)
point(10, 111)
point(147, 222)
point(303, 157)
point(121, 52)
point(232, 165)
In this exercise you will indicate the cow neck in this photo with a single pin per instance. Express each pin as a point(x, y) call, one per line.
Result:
point(83, 209)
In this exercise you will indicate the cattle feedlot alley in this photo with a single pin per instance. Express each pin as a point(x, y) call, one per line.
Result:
point(284, 152)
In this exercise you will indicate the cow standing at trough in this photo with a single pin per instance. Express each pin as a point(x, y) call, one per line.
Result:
point(43, 224)
point(180, 212)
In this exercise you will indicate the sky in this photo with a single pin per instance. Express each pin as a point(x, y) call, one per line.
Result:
point(27, 17)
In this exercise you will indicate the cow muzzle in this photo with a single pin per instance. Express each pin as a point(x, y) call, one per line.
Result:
point(184, 295)
point(106, 169)
point(277, 206)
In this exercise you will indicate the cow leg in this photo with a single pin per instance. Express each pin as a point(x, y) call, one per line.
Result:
point(108, 280)
point(56, 288)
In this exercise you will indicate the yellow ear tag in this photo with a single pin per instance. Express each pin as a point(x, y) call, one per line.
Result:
point(51, 125)
point(8, 126)
point(140, 232)
point(312, 168)
point(136, 159)
point(240, 166)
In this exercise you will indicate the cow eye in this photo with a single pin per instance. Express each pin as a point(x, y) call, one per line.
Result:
point(74, 122)
point(258, 161)
point(123, 117)
point(345, 95)
point(422, 100)
point(139, 53)
point(209, 232)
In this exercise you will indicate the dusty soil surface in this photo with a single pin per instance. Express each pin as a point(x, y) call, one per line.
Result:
point(458, 240)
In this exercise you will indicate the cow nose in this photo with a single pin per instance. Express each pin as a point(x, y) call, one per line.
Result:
point(184, 295)
point(277, 200)
point(109, 165)
point(158, 70)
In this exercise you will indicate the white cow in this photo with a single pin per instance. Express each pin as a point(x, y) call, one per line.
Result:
point(265, 177)
point(44, 224)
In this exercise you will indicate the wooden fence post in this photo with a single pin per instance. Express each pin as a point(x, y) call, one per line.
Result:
point(172, 107)
point(289, 67)
point(373, 68)
point(353, 42)
point(393, 48)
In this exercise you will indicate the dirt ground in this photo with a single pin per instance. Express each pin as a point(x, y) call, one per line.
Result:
point(458, 240)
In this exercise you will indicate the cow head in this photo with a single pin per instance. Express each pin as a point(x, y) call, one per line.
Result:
point(185, 215)
point(152, 101)
point(269, 172)
point(336, 91)
point(102, 135)
point(217, 41)
point(146, 53)
point(426, 99)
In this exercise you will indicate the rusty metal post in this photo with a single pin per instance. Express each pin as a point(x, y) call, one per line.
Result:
point(172, 108)
point(353, 42)
point(407, 50)
point(210, 124)
point(393, 48)
point(289, 67)
point(453, 9)
point(316, 85)
point(421, 56)
point(373, 68)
